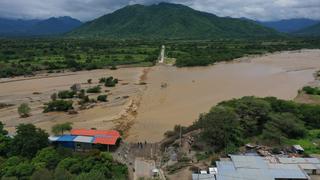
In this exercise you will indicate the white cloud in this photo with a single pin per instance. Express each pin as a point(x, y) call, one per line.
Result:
point(90, 9)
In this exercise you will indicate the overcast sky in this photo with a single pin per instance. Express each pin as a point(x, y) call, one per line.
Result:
point(85, 10)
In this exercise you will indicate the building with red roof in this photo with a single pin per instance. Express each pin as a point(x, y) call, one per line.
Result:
point(84, 139)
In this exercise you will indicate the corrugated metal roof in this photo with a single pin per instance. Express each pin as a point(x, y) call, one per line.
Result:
point(109, 137)
point(203, 177)
point(66, 138)
point(308, 166)
point(299, 160)
point(254, 162)
point(84, 139)
point(53, 138)
point(90, 132)
point(253, 167)
point(111, 140)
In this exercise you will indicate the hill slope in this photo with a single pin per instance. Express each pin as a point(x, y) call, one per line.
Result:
point(290, 25)
point(310, 31)
point(168, 21)
point(51, 26)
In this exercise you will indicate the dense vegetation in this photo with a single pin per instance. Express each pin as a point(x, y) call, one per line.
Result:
point(311, 90)
point(28, 156)
point(202, 53)
point(26, 56)
point(169, 21)
point(230, 124)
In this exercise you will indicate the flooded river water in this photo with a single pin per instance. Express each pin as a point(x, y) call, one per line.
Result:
point(179, 95)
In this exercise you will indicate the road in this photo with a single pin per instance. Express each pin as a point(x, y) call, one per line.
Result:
point(162, 54)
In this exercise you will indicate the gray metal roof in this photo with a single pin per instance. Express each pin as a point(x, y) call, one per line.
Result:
point(256, 167)
point(203, 177)
point(299, 160)
point(84, 139)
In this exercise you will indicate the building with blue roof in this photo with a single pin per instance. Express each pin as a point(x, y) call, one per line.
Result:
point(64, 140)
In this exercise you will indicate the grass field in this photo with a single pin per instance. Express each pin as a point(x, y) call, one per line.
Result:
point(311, 143)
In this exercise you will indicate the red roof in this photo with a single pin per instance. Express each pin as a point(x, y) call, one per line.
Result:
point(109, 137)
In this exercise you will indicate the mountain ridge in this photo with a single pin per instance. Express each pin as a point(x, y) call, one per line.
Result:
point(167, 20)
point(290, 25)
point(36, 27)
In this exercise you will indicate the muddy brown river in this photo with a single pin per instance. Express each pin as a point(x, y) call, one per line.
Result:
point(172, 95)
point(179, 95)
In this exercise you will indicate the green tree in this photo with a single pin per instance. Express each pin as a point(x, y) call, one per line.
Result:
point(96, 175)
point(58, 105)
point(46, 158)
point(28, 141)
point(24, 110)
point(283, 126)
point(42, 174)
point(2, 130)
point(95, 89)
point(4, 141)
point(102, 98)
point(59, 129)
point(221, 128)
point(62, 174)
point(253, 113)
point(17, 167)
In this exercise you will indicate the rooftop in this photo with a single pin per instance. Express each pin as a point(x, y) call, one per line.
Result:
point(89, 136)
point(250, 167)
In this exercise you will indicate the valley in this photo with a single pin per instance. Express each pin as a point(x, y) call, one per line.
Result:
point(217, 90)
point(188, 92)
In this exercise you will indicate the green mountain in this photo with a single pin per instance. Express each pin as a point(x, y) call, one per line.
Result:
point(171, 21)
point(310, 31)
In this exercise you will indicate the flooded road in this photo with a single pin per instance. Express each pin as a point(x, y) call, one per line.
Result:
point(191, 91)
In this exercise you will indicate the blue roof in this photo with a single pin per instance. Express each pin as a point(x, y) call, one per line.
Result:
point(66, 138)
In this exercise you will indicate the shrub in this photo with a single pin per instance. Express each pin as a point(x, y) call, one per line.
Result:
point(311, 90)
point(58, 105)
point(66, 94)
point(96, 89)
point(102, 98)
point(113, 67)
point(24, 110)
point(109, 82)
